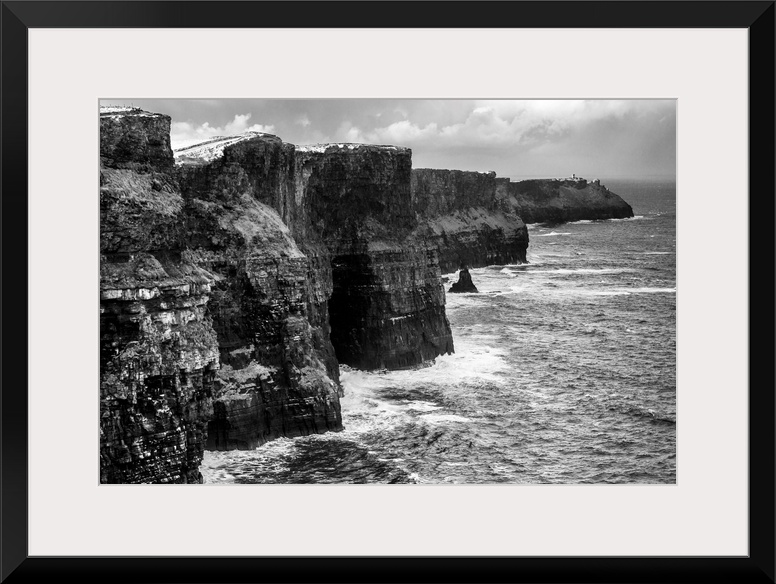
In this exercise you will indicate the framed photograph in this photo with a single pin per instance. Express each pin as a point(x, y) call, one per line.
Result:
point(388, 291)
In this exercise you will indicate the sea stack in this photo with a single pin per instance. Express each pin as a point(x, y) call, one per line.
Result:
point(464, 283)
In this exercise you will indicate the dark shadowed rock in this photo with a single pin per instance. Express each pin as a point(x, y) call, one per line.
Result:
point(559, 201)
point(135, 139)
point(464, 283)
point(387, 307)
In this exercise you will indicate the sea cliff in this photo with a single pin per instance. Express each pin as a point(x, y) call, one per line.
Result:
point(236, 279)
point(214, 323)
point(387, 306)
point(158, 347)
point(462, 213)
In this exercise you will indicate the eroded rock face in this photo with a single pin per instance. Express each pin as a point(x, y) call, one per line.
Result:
point(158, 349)
point(135, 139)
point(558, 201)
point(279, 374)
point(159, 356)
point(387, 307)
point(214, 327)
point(467, 219)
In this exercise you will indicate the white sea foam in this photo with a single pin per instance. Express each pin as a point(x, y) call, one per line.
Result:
point(369, 404)
point(423, 406)
point(551, 234)
point(442, 418)
point(609, 292)
point(511, 291)
point(214, 475)
point(564, 271)
point(474, 360)
point(268, 458)
point(653, 290)
point(603, 292)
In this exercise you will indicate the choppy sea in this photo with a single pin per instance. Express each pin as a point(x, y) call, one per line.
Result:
point(564, 372)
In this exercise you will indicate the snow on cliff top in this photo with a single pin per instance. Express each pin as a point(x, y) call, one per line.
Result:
point(213, 148)
point(115, 111)
point(210, 149)
point(321, 148)
point(484, 172)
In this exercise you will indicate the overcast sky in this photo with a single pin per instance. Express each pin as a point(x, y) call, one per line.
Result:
point(519, 138)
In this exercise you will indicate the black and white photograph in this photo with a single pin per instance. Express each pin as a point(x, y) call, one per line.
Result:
point(409, 291)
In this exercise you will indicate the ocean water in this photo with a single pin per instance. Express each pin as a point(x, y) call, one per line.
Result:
point(564, 372)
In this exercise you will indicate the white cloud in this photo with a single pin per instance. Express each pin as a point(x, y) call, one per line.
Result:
point(353, 134)
point(404, 132)
point(501, 123)
point(185, 134)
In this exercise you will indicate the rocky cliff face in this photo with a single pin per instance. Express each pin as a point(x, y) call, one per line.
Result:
point(478, 219)
point(158, 349)
point(387, 306)
point(279, 375)
point(136, 139)
point(214, 329)
point(467, 218)
point(235, 282)
point(558, 201)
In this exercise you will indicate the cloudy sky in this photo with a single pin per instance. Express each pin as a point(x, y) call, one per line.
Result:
point(518, 138)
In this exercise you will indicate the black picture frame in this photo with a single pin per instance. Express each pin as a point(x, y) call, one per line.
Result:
point(19, 16)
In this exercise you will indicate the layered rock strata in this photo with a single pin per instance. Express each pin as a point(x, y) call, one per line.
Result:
point(467, 219)
point(158, 348)
point(279, 374)
point(387, 307)
point(214, 328)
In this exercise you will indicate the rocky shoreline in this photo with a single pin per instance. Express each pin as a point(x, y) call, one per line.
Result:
point(235, 282)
